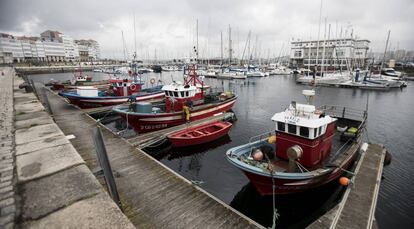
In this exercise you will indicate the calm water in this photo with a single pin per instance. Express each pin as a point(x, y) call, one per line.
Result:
point(390, 122)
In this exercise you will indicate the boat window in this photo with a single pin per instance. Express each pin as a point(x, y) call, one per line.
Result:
point(320, 130)
point(315, 133)
point(166, 93)
point(304, 131)
point(281, 126)
point(182, 94)
point(292, 129)
point(186, 94)
point(175, 94)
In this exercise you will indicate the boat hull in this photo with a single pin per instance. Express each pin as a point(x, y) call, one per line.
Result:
point(263, 184)
point(178, 140)
point(94, 102)
point(143, 122)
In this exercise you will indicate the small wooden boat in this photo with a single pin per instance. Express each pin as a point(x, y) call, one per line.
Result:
point(200, 134)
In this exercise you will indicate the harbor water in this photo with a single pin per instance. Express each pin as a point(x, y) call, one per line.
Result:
point(390, 122)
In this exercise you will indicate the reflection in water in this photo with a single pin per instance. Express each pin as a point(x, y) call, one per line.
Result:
point(295, 210)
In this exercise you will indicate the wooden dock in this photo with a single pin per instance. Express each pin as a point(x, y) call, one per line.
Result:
point(141, 141)
point(357, 208)
point(153, 196)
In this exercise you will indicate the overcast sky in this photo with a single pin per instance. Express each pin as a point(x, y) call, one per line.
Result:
point(169, 26)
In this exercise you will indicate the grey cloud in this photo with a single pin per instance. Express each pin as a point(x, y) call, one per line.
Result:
point(169, 26)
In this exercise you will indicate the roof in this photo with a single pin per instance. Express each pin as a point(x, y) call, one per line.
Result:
point(303, 115)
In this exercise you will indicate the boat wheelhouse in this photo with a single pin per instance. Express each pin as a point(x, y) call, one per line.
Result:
point(309, 147)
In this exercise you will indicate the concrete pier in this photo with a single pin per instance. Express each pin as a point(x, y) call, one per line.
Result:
point(48, 184)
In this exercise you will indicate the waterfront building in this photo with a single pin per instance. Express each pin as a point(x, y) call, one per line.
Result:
point(10, 49)
point(51, 46)
point(333, 53)
point(88, 50)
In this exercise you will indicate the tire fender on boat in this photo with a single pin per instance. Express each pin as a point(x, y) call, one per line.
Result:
point(152, 80)
point(133, 87)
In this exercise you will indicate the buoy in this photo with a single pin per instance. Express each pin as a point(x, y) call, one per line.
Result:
point(258, 155)
point(344, 181)
point(271, 139)
point(133, 87)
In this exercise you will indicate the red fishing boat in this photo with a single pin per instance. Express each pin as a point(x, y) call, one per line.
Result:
point(119, 92)
point(309, 148)
point(200, 134)
point(183, 103)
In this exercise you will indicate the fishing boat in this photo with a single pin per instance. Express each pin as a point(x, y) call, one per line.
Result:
point(78, 79)
point(120, 92)
point(200, 134)
point(305, 151)
point(183, 103)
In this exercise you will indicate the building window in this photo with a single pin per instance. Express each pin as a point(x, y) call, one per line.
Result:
point(281, 126)
point(304, 131)
point(292, 129)
point(298, 53)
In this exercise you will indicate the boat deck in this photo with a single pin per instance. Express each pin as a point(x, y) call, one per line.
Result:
point(152, 195)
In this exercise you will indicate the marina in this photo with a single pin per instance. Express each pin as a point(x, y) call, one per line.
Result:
point(145, 140)
point(234, 114)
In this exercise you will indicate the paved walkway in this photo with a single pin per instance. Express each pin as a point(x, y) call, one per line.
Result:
point(55, 188)
point(7, 178)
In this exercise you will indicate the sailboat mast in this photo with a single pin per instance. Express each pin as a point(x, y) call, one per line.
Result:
point(385, 51)
point(323, 51)
point(230, 51)
point(197, 42)
point(221, 49)
point(319, 31)
point(124, 46)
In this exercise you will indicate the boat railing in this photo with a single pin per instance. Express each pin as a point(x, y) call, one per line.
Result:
point(260, 137)
point(344, 112)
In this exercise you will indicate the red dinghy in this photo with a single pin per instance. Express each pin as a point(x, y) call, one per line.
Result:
point(200, 134)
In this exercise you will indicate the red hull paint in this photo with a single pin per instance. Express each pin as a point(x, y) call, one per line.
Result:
point(263, 184)
point(151, 122)
point(85, 103)
point(189, 136)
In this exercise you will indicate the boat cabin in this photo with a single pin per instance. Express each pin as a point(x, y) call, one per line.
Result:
point(177, 95)
point(125, 87)
point(305, 126)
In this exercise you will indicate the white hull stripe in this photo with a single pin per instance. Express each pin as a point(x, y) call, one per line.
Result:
point(195, 114)
point(120, 99)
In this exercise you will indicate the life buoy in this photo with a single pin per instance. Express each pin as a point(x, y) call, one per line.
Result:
point(133, 87)
point(152, 80)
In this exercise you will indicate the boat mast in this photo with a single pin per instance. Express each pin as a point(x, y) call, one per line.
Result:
point(385, 51)
point(197, 42)
point(221, 49)
point(319, 31)
point(124, 46)
point(134, 64)
point(230, 50)
point(323, 51)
